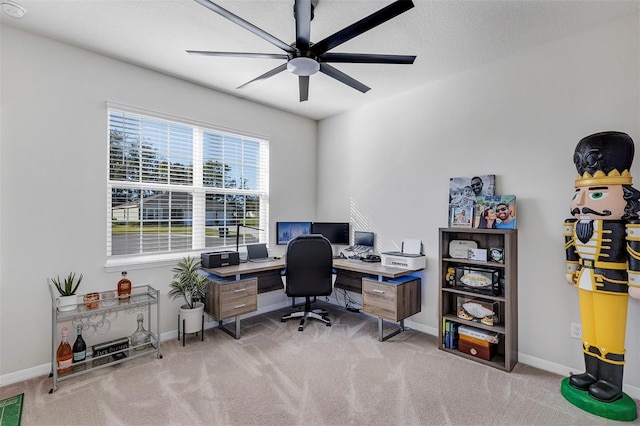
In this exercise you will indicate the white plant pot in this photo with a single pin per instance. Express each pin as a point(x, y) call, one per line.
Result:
point(192, 318)
point(67, 303)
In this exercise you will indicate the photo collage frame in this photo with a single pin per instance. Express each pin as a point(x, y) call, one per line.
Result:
point(474, 204)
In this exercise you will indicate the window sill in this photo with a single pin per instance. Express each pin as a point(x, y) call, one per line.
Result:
point(121, 263)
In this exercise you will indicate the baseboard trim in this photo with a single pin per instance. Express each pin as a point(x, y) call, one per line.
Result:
point(26, 374)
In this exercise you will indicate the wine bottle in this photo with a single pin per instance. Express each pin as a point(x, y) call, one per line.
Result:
point(140, 336)
point(79, 350)
point(65, 354)
point(124, 287)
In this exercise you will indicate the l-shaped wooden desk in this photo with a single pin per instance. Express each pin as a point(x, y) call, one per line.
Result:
point(387, 293)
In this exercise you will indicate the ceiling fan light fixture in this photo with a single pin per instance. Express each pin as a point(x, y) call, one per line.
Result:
point(303, 66)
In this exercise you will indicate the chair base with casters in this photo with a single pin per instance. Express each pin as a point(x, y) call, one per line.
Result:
point(308, 313)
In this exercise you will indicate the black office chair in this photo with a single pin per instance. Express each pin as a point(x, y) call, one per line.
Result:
point(308, 269)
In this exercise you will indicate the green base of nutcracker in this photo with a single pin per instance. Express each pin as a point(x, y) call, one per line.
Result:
point(623, 409)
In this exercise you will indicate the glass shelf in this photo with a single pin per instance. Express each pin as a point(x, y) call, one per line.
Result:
point(140, 296)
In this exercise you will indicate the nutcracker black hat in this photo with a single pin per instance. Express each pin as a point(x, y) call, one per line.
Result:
point(604, 159)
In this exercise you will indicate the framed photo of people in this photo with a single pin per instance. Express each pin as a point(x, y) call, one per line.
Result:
point(495, 212)
point(463, 193)
point(462, 216)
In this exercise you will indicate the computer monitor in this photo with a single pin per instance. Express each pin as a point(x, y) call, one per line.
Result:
point(361, 238)
point(287, 231)
point(335, 232)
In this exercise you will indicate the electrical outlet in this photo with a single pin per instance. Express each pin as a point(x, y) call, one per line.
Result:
point(576, 330)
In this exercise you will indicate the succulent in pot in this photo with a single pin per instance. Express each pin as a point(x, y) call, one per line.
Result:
point(68, 286)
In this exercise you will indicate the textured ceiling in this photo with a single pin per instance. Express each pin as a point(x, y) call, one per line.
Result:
point(448, 37)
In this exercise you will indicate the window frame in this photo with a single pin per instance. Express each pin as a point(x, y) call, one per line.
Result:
point(197, 189)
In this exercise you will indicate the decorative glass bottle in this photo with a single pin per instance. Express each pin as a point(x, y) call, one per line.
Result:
point(124, 287)
point(79, 350)
point(140, 336)
point(65, 354)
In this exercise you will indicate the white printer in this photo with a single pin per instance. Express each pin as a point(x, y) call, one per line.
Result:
point(410, 256)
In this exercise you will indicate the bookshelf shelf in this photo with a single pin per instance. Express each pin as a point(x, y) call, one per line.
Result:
point(462, 292)
point(499, 328)
point(505, 354)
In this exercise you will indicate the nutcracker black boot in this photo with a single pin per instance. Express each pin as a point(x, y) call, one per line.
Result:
point(589, 377)
point(609, 386)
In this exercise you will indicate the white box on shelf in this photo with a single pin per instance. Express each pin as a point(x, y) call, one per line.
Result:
point(460, 248)
point(478, 254)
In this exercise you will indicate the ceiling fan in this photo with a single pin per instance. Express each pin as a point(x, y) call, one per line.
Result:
point(305, 58)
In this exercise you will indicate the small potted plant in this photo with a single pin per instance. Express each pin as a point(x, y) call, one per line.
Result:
point(67, 288)
point(191, 286)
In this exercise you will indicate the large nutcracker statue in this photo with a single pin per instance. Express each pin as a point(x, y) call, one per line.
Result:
point(602, 245)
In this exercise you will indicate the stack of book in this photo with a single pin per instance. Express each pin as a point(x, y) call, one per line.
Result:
point(449, 334)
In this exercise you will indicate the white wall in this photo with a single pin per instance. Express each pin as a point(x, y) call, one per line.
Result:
point(387, 167)
point(53, 173)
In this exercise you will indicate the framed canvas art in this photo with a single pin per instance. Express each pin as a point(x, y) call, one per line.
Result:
point(461, 188)
point(495, 211)
point(463, 191)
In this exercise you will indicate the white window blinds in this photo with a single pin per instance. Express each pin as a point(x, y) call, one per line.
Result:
point(178, 187)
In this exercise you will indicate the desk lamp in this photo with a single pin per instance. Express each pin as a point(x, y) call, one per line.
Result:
point(238, 233)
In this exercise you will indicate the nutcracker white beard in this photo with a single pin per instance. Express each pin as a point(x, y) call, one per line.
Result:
point(584, 230)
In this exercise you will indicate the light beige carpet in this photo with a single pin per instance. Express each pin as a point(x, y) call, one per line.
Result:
point(275, 375)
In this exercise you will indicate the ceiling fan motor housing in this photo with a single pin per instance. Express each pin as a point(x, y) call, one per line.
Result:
point(303, 65)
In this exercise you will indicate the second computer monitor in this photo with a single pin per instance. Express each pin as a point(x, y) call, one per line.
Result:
point(287, 231)
point(335, 232)
point(361, 238)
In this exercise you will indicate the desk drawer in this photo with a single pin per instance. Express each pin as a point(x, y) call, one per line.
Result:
point(393, 300)
point(238, 290)
point(227, 299)
point(379, 299)
point(238, 307)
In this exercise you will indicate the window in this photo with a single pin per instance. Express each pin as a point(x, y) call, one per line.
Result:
point(174, 187)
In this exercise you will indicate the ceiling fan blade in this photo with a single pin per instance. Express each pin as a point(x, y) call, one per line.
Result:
point(363, 25)
point(302, 13)
point(303, 82)
point(264, 76)
point(343, 78)
point(246, 25)
point(239, 54)
point(366, 58)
